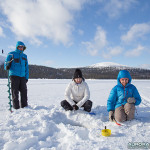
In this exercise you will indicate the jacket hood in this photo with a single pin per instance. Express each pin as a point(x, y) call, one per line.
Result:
point(123, 74)
point(20, 43)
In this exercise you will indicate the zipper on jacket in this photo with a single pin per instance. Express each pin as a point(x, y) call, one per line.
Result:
point(124, 94)
point(78, 88)
point(20, 64)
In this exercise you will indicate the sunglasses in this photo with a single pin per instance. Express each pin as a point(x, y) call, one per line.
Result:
point(20, 46)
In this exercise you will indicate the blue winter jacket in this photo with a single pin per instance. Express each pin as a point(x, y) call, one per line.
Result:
point(119, 94)
point(19, 63)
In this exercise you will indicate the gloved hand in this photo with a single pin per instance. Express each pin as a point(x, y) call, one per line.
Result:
point(111, 115)
point(8, 63)
point(8, 66)
point(75, 107)
point(131, 100)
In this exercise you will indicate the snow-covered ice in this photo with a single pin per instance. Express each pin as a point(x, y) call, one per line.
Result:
point(44, 125)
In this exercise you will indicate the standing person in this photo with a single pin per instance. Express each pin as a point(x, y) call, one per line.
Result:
point(17, 64)
point(123, 98)
point(77, 94)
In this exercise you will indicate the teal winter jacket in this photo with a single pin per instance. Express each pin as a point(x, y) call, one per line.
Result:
point(119, 94)
point(18, 62)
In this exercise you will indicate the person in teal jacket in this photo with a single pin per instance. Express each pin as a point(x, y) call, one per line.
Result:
point(17, 64)
point(123, 98)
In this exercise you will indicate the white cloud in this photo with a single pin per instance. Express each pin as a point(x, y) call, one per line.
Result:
point(135, 52)
point(11, 47)
point(135, 32)
point(73, 4)
point(48, 63)
point(32, 19)
point(115, 7)
point(99, 42)
point(1, 32)
point(80, 32)
point(112, 52)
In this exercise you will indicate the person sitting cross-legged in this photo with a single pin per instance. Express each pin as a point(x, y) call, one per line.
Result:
point(77, 94)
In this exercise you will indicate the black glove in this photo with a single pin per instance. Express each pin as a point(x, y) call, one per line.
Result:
point(8, 66)
point(75, 107)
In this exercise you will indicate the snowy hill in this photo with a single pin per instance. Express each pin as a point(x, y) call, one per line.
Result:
point(145, 66)
point(2, 59)
point(108, 64)
point(117, 66)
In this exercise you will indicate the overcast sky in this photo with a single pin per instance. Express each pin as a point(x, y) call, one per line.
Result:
point(72, 33)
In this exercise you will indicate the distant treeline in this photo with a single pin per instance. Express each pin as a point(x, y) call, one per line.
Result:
point(88, 73)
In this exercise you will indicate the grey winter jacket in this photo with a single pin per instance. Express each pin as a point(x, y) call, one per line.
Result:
point(77, 92)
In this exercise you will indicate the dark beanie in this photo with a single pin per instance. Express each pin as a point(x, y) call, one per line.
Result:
point(77, 74)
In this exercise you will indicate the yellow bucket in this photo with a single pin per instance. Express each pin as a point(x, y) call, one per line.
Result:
point(106, 132)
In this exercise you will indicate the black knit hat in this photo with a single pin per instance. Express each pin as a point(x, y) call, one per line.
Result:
point(77, 74)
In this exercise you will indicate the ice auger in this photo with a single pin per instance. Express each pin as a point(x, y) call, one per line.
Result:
point(9, 92)
point(9, 86)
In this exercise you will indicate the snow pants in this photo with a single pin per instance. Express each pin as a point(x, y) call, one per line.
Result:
point(124, 113)
point(87, 105)
point(19, 84)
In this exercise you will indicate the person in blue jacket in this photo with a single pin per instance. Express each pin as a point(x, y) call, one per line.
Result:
point(17, 64)
point(123, 98)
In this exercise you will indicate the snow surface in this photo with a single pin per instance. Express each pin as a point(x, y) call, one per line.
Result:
point(44, 125)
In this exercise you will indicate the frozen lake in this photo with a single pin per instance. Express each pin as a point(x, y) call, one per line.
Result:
point(46, 126)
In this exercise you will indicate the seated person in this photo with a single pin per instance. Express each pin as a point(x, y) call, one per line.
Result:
point(77, 94)
point(123, 98)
